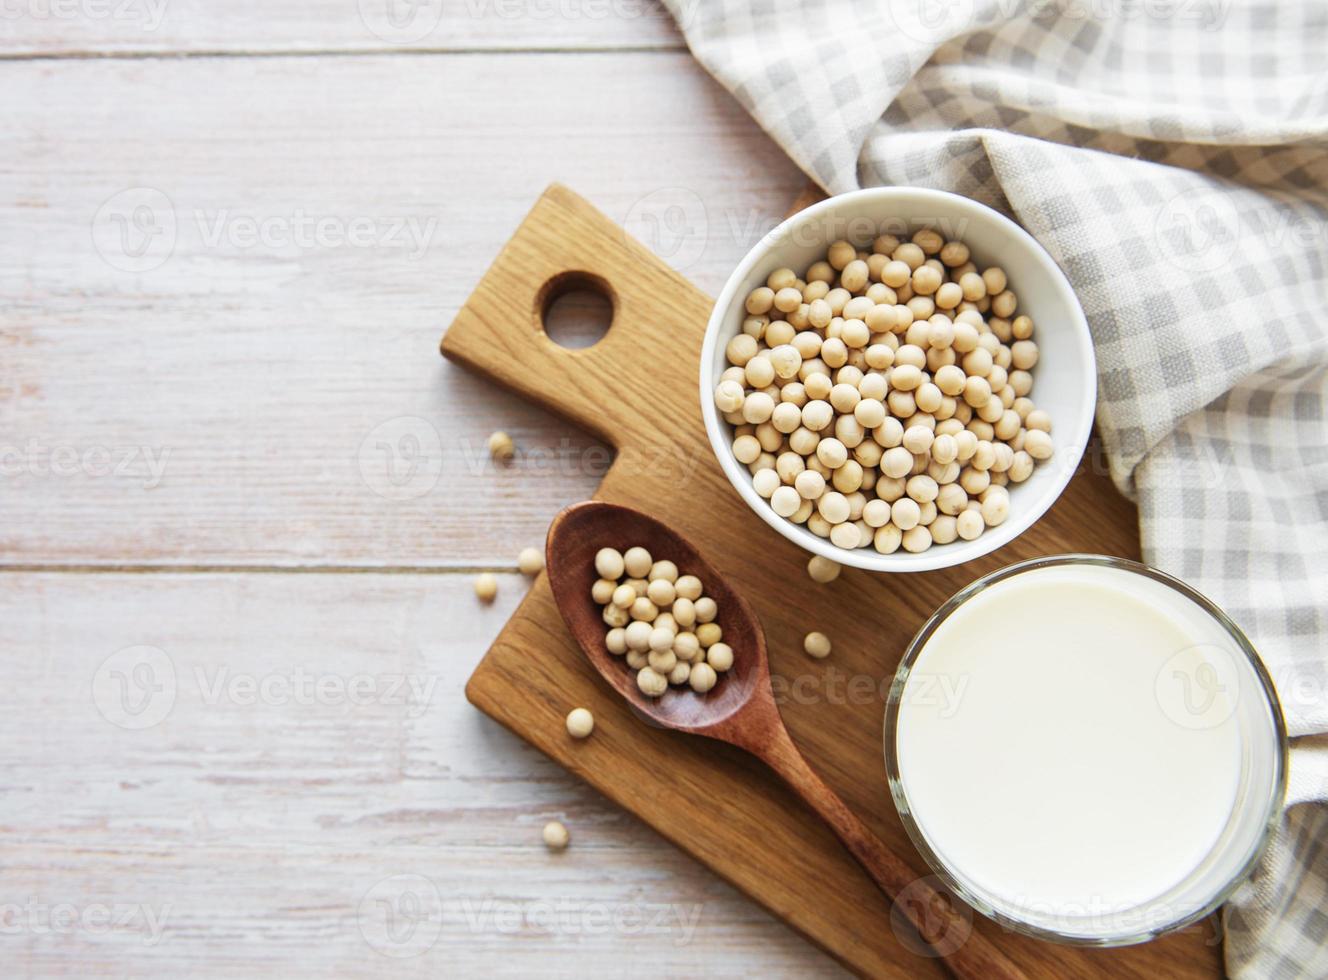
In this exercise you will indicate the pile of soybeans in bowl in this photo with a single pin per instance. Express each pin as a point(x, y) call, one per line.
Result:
point(885, 399)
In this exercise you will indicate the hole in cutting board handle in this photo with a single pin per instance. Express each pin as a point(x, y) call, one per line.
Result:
point(576, 309)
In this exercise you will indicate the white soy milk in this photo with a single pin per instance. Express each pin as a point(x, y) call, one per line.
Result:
point(1068, 745)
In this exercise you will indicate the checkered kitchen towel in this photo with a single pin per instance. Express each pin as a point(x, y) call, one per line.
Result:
point(1170, 155)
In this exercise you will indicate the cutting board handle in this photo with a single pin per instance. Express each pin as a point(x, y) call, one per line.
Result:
point(615, 388)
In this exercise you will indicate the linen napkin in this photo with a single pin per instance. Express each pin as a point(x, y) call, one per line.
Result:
point(1170, 155)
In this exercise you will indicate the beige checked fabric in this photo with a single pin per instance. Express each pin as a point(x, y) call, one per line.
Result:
point(1171, 156)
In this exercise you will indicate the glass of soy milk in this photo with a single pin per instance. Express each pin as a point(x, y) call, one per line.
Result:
point(1086, 750)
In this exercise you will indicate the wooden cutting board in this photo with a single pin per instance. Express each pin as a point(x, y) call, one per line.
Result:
point(637, 389)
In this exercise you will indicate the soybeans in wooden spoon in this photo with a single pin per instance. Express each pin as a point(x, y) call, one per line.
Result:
point(741, 710)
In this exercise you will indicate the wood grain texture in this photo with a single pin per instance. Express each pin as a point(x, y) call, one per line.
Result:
point(259, 371)
point(637, 389)
point(49, 28)
point(740, 710)
point(268, 831)
point(290, 390)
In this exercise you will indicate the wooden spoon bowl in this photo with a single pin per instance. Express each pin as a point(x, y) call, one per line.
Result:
point(741, 710)
point(574, 538)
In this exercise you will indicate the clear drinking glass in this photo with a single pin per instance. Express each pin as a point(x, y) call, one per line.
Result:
point(1260, 791)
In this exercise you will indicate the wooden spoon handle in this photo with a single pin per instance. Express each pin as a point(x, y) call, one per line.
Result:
point(931, 912)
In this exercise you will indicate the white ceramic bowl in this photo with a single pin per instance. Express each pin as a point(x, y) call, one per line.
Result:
point(1064, 380)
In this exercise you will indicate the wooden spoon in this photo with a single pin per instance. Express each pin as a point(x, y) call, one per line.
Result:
point(741, 710)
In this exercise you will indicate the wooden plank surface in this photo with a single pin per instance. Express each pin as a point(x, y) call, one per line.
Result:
point(280, 388)
point(271, 839)
point(637, 388)
point(122, 28)
point(290, 392)
point(300, 762)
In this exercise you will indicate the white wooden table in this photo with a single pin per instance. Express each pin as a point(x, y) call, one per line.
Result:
point(243, 500)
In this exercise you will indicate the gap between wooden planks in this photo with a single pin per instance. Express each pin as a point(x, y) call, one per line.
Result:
point(256, 827)
point(284, 385)
point(249, 28)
